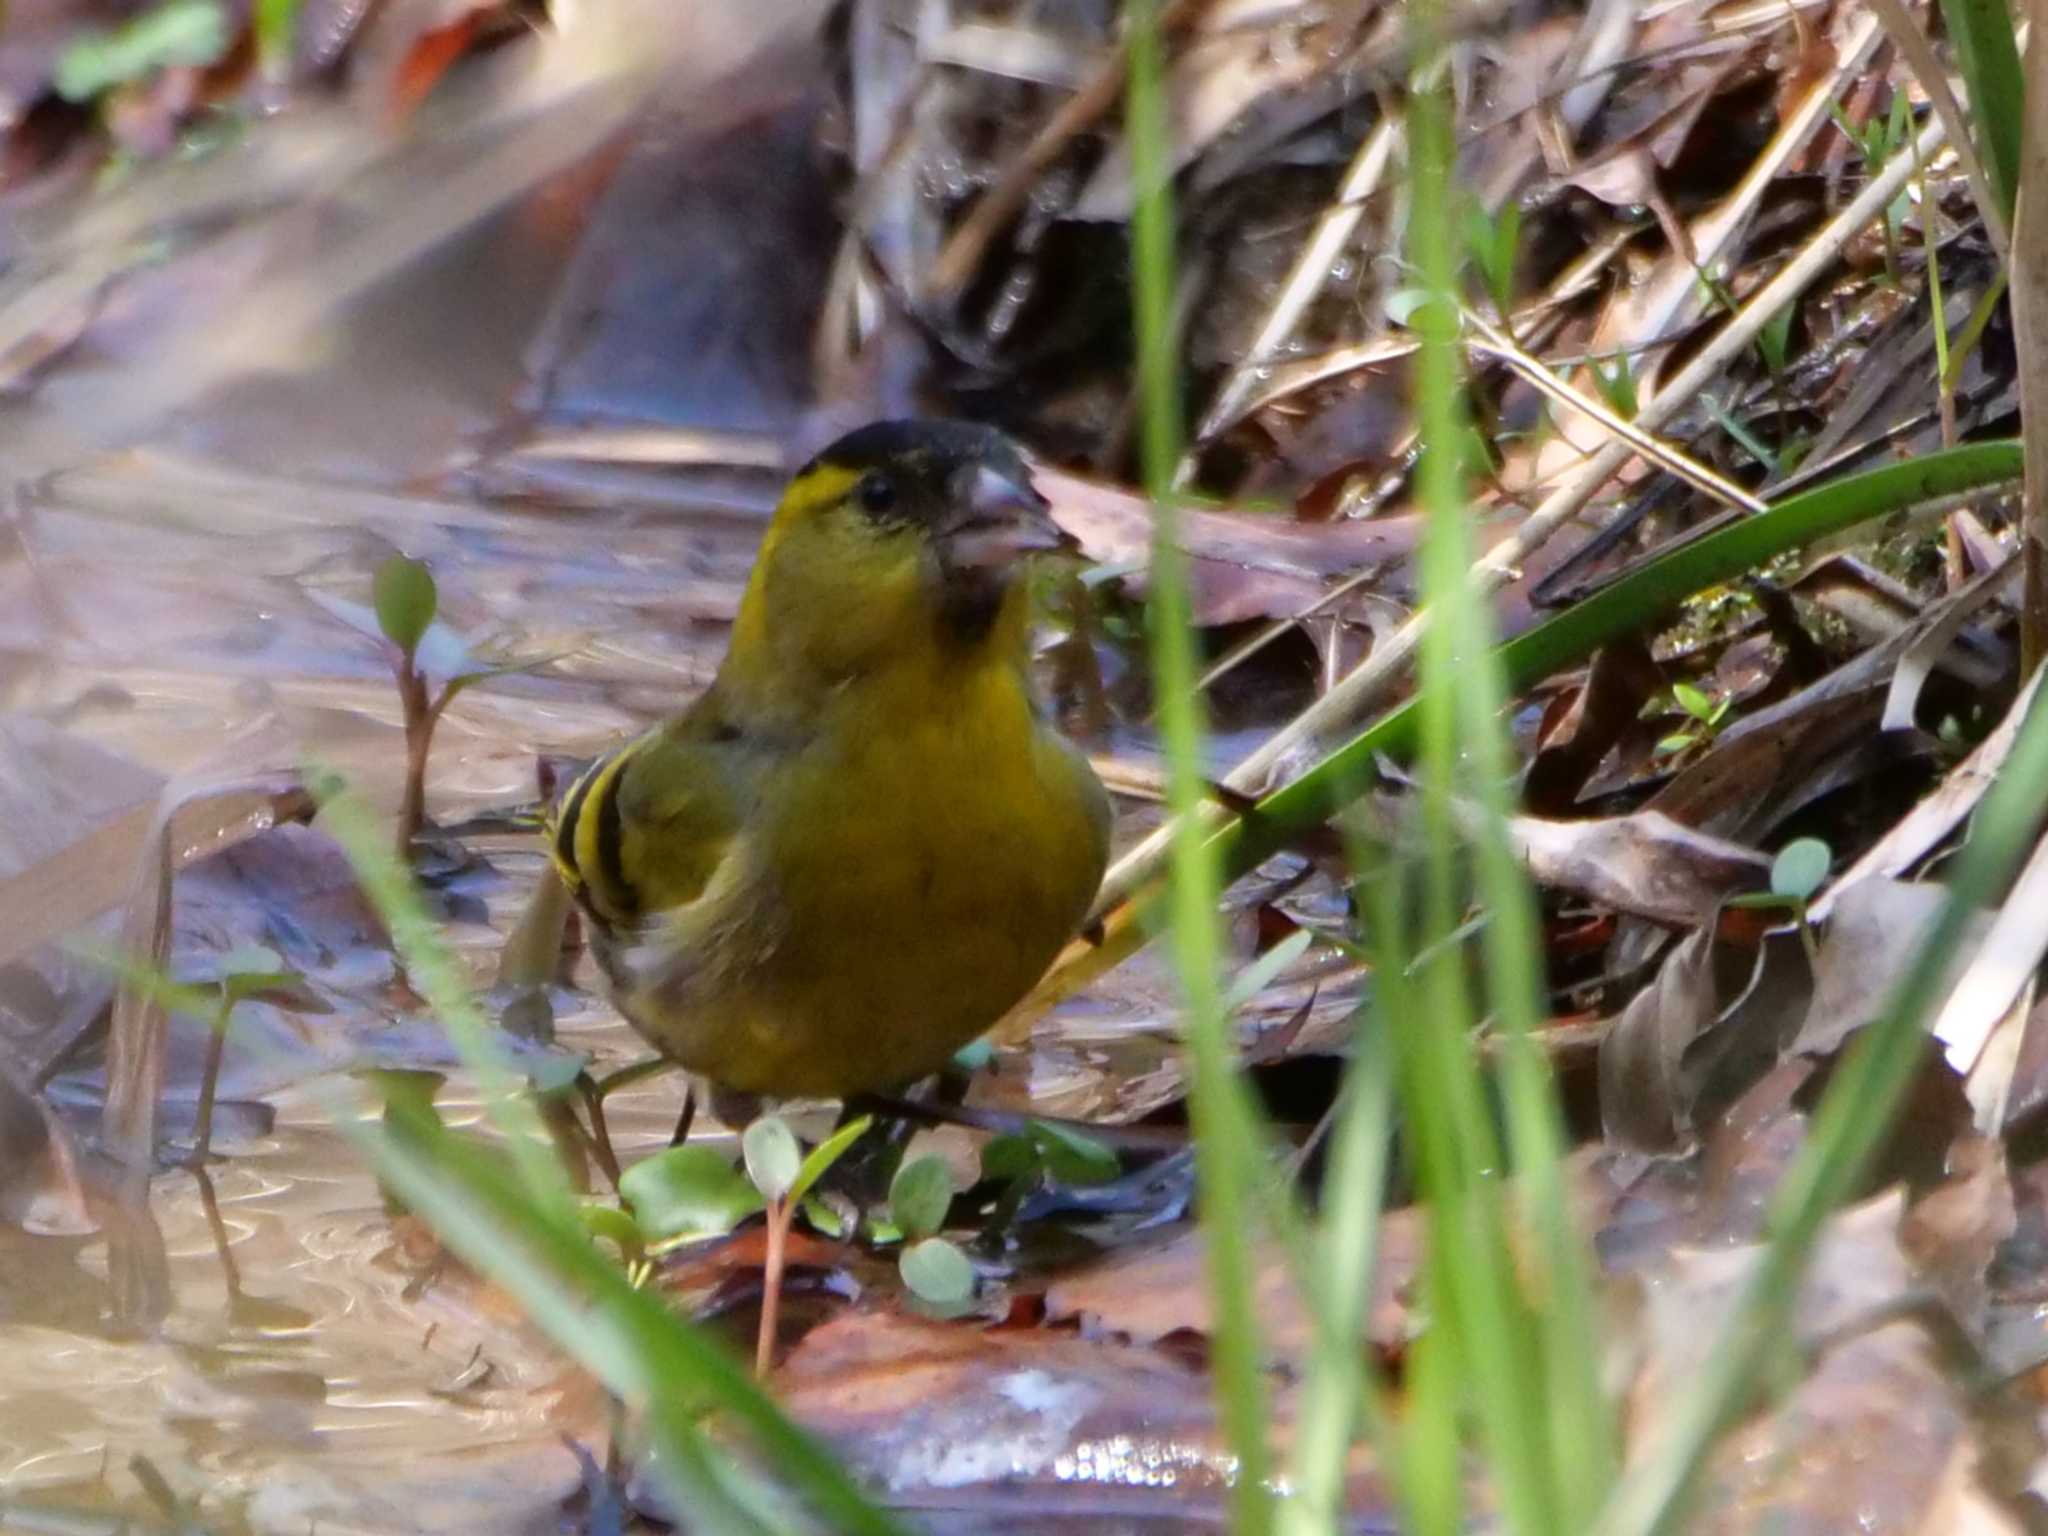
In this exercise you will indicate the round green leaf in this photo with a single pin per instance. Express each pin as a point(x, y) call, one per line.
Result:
point(937, 1271)
point(406, 600)
point(1010, 1157)
point(773, 1157)
point(1403, 304)
point(920, 1195)
point(555, 1071)
point(1074, 1158)
point(687, 1191)
point(1800, 867)
point(608, 1221)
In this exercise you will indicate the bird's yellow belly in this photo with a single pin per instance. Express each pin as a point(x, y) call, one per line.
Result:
point(925, 878)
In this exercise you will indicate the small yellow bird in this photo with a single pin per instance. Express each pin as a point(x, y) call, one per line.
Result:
point(864, 842)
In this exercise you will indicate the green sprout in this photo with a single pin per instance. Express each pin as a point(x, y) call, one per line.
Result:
point(690, 1192)
point(1800, 869)
point(431, 664)
point(935, 1269)
point(246, 972)
point(1704, 713)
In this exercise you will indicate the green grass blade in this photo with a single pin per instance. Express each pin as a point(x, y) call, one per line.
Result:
point(1583, 1441)
point(1147, 131)
point(1431, 1463)
point(1228, 1153)
point(1989, 57)
point(1345, 1249)
point(1499, 1362)
point(435, 975)
point(1462, 715)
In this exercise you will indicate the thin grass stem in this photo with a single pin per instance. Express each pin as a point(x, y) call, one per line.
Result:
point(1228, 1152)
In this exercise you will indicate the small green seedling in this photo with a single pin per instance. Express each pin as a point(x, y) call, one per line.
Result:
point(783, 1175)
point(772, 1155)
point(245, 972)
point(920, 1195)
point(1705, 714)
point(406, 601)
point(1059, 1151)
point(1737, 428)
point(935, 1270)
point(1774, 341)
point(249, 971)
point(431, 664)
point(1879, 139)
point(682, 1194)
point(938, 1273)
point(692, 1191)
point(1800, 869)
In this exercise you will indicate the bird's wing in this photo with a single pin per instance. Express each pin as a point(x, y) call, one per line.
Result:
point(646, 827)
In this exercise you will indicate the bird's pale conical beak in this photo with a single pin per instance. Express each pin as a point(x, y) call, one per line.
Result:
point(1000, 519)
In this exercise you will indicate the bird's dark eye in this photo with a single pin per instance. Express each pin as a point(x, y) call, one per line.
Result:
point(876, 494)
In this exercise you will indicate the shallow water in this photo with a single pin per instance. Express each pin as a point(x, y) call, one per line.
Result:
point(299, 1363)
point(284, 1352)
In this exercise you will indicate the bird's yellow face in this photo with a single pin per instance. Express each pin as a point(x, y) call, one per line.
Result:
point(902, 537)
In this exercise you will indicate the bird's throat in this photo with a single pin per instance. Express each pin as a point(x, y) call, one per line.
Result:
point(970, 604)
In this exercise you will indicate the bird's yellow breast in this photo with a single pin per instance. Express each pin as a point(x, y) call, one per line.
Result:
point(909, 871)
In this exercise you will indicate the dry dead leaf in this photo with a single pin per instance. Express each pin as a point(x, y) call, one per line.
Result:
point(1876, 1433)
point(1875, 932)
point(1864, 1443)
point(71, 816)
point(1767, 766)
point(1237, 55)
point(1147, 1294)
point(2001, 967)
point(1621, 679)
point(1244, 566)
point(1935, 816)
point(1645, 864)
point(1645, 1104)
point(1953, 1231)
